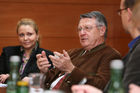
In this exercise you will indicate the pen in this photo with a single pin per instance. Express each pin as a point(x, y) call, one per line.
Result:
point(83, 81)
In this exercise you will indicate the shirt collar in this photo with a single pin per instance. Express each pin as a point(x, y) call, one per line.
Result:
point(130, 45)
point(93, 49)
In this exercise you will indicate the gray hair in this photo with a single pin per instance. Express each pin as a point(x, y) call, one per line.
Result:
point(100, 19)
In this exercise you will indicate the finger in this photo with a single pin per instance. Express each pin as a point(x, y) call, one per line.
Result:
point(131, 85)
point(43, 65)
point(43, 54)
point(2, 80)
point(38, 56)
point(53, 58)
point(58, 54)
point(56, 61)
point(79, 87)
point(65, 53)
point(75, 88)
point(46, 65)
point(45, 68)
point(42, 60)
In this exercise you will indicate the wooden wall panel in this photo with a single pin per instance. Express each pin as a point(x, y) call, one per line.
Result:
point(64, 1)
point(57, 21)
point(8, 41)
point(60, 43)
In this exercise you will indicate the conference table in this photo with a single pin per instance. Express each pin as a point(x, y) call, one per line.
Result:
point(2, 89)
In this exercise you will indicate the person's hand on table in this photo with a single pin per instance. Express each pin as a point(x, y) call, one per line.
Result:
point(3, 77)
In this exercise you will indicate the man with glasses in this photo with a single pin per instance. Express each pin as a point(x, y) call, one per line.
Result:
point(131, 72)
point(89, 64)
point(120, 11)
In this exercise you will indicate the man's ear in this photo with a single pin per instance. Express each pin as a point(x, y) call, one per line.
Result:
point(129, 14)
point(102, 30)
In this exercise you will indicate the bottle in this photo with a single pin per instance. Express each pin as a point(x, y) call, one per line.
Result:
point(116, 85)
point(22, 87)
point(12, 81)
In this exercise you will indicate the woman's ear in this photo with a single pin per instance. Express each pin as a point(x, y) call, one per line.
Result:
point(37, 38)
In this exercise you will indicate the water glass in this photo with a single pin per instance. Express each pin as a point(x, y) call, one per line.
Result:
point(35, 81)
point(53, 91)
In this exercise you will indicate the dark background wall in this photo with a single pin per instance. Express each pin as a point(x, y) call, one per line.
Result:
point(57, 21)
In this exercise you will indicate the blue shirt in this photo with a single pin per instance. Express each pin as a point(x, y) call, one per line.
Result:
point(130, 45)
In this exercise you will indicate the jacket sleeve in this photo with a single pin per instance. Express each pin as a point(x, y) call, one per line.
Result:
point(4, 65)
point(98, 79)
point(132, 69)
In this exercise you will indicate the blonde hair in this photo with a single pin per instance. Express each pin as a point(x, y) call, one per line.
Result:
point(27, 21)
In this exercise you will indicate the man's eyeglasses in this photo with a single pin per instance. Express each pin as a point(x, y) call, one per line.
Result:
point(86, 28)
point(120, 11)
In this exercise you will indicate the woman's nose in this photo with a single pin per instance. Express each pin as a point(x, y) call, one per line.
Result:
point(25, 37)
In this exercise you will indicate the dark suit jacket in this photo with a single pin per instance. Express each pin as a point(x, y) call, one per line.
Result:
point(131, 73)
point(94, 65)
point(31, 66)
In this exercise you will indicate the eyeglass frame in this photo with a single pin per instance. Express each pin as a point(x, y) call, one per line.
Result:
point(88, 28)
point(120, 11)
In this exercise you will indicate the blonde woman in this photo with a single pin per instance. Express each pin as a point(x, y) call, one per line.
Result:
point(28, 36)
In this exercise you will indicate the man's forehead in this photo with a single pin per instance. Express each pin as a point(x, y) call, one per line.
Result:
point(122, 4)
point(87, 20)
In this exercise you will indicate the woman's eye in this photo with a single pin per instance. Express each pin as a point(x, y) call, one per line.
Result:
point(29, 34)
point(21, 35)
